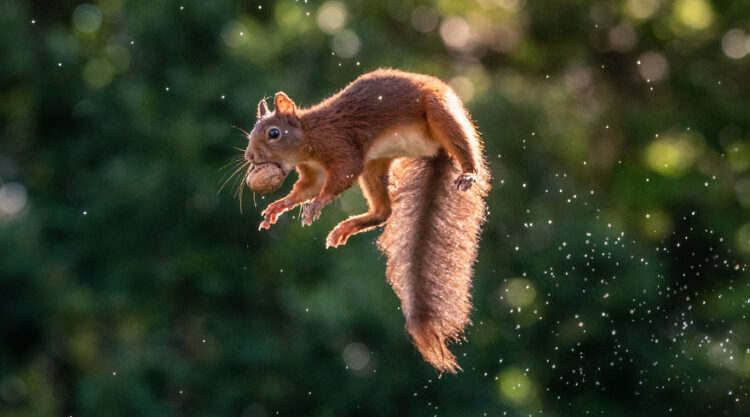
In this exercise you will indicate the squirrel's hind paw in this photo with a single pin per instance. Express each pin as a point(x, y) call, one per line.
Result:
point(340, 234)
point(465, 181)
point(312, 213)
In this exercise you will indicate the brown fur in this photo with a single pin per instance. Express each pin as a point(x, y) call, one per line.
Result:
point(431, 244)
point(432, 204)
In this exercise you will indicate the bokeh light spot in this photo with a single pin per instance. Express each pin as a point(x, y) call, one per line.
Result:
point(331, 17)
point(695, 14)
point(87, 18)
point(641, 9)
point(346, 44)
point(738, 153)
point(656, 224)
point(743, 238)
point(98, 72)
point(455, 32)
point(603, 13)
point(356, 356)
point(510, 5)
point(673, 154)
point(742, 190)
point(622, 37)
point(13, 198)
point(520, 292)
point(735, 43)
point(654, 66)
point(464, 87)
point(291, 18)
point(119, 56)
point(110, 7)
point(424, 18)
point(577, 78)
point(515, 387)
point(233, 34)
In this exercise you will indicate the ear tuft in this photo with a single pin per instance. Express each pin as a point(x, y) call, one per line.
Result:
point(284, 105)
point(262, 108)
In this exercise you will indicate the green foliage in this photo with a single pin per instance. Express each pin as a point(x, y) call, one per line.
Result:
point(612, 274)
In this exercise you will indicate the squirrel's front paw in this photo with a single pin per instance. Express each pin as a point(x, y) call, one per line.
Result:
point(312, 212)
point(465, 181)
point(272, 213)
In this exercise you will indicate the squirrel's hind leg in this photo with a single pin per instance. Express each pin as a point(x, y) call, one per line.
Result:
point(374, 184)
point(450, 124)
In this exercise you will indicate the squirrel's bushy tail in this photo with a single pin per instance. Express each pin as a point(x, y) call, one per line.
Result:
point(431, 242)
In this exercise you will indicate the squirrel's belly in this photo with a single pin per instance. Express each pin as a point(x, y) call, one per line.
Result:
point(409, 141)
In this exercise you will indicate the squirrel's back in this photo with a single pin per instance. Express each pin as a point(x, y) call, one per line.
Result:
point(380, 99)
point(385, 84)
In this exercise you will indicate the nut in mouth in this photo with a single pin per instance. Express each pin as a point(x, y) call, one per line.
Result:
point(266, 177)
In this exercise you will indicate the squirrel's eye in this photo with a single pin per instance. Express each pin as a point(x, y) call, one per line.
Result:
point(274, 133)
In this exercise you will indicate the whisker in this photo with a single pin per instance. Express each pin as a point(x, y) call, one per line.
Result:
point(233, 175)
point(236, 157)
point(240, 167)
point(238, 195)
point(241, 187)
point(241, 130)
point(239, 156)
point(235, 186)
point(232, 161)
point(241, 180)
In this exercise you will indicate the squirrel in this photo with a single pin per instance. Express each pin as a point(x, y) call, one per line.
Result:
point(420, 163)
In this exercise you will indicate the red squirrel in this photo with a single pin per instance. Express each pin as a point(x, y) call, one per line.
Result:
point(420, 163)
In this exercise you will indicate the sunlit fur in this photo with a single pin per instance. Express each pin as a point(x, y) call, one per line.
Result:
point(420, 163)
point(431, 244)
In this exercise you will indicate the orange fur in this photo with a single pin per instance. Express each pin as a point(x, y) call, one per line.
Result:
point(420, 164)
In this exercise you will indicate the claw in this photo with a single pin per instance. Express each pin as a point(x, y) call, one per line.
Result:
point(312, 213)
point(339, 235)
point(272, 213)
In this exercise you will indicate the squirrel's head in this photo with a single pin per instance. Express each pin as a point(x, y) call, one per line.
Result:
point(277, 136)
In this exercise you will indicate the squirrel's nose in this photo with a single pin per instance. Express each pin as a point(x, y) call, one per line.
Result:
point(250, 156)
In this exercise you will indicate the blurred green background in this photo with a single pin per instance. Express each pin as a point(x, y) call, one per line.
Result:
point(612, 276)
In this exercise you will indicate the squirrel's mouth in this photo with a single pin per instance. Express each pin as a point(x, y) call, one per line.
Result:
point(283, 169)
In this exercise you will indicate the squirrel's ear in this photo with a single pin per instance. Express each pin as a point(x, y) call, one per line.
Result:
point(262, 108)
point(283, 104)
